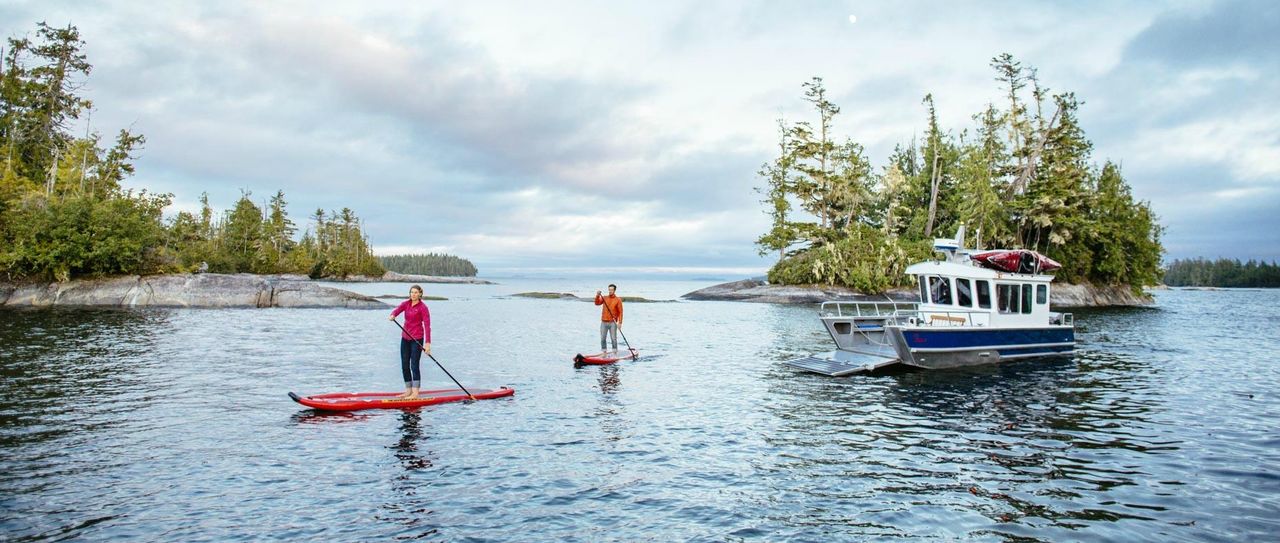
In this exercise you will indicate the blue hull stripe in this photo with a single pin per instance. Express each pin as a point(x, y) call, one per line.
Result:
point(968, 338)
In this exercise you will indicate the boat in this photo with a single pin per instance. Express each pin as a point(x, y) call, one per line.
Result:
point(971, 311)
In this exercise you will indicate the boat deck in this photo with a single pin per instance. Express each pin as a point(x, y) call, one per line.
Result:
point(838, 363)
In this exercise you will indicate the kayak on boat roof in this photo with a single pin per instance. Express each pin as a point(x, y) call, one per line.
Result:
point(1016, 261)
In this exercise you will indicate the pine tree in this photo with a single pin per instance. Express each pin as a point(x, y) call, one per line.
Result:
point(812, 156)
point(778, 183)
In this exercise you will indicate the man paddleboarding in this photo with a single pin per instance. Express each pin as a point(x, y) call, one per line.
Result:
point(415, 339)
point(610, 317)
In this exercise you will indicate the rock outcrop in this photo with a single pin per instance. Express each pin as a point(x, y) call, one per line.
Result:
point(1086, 295)
point(205, 290)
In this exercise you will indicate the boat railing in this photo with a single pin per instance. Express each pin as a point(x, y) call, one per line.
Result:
point(943, 317)
point(865, 309)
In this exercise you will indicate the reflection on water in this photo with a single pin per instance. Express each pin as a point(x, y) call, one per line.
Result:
point(314, 416)
point(1024, 442)
point(407, 447)
point(120, 424)
point(609, 380)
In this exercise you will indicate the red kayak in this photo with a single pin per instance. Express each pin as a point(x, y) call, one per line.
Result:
point(353, 401)
point(602, 358)
point(1016, 261)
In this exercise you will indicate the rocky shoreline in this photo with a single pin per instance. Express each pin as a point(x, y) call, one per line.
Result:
point(760, 291)
point(204, 290)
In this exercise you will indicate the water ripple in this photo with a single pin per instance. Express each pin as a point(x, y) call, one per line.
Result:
point(173, 425)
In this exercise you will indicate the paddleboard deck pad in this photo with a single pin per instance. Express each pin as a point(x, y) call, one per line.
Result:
point(354, 401)
point(602, 358)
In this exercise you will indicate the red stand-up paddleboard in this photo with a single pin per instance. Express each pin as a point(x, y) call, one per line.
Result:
point(353, 401)
point(602, 358)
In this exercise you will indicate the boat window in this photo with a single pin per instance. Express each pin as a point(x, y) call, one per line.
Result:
point(1008, 298)
point(964, 296)
point(984, 294)
point(1042, 294)
point(940, 290)
point(1026, 298)
point(924, 290)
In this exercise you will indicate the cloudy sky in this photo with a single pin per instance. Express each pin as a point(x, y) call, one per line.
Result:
point(625, 135)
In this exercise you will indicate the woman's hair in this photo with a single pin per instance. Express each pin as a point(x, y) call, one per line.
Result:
point(417, 288)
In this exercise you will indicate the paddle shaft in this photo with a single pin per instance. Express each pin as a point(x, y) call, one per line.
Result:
point(433, 359)
point(615, 321)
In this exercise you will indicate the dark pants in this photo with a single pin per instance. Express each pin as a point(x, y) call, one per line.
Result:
point(411, 362)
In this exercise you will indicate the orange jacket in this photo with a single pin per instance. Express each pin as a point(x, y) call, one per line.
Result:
point(611, 303)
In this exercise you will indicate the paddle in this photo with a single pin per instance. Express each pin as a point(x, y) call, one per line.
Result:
point(433, 359)
point(624, 336)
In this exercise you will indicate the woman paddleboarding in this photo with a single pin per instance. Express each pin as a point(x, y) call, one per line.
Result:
point(415, 339)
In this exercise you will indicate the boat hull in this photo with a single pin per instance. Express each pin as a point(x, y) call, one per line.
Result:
point(940, 347)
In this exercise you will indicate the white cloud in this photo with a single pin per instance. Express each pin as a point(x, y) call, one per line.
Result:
point(523, 134)
point(1247, 146)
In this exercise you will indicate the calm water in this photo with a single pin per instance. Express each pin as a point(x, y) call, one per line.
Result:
point(174, 425)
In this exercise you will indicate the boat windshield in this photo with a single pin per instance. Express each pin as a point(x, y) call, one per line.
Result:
point(940, 290)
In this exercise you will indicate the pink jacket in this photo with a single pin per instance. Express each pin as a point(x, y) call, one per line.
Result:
point(417, 320)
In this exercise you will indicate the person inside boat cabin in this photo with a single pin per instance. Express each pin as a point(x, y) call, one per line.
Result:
point(610, 317)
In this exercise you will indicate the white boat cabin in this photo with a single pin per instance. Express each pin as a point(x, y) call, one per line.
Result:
point(953, 293)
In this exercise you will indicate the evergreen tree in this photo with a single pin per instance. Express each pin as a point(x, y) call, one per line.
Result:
point(889, 200)
point(812, 150)
point(981, 207)
point(240, 237)
point(851, 182)
point(277, 236)
point(778, 183)
point(65, 214)
point(1021, 181)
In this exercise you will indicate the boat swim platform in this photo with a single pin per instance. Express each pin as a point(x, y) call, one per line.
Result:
point(840, 363)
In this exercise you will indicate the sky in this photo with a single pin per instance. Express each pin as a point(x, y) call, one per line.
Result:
point(544, 137)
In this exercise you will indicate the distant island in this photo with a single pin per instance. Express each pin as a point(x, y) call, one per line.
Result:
point(1222, 273)
point(429, 264)
point(1022, 178)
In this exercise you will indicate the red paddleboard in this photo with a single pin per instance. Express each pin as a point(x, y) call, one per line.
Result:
point(602, 358)
point(353, 401)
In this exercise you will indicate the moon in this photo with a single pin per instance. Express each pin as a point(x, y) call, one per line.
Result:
point(853, 19)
